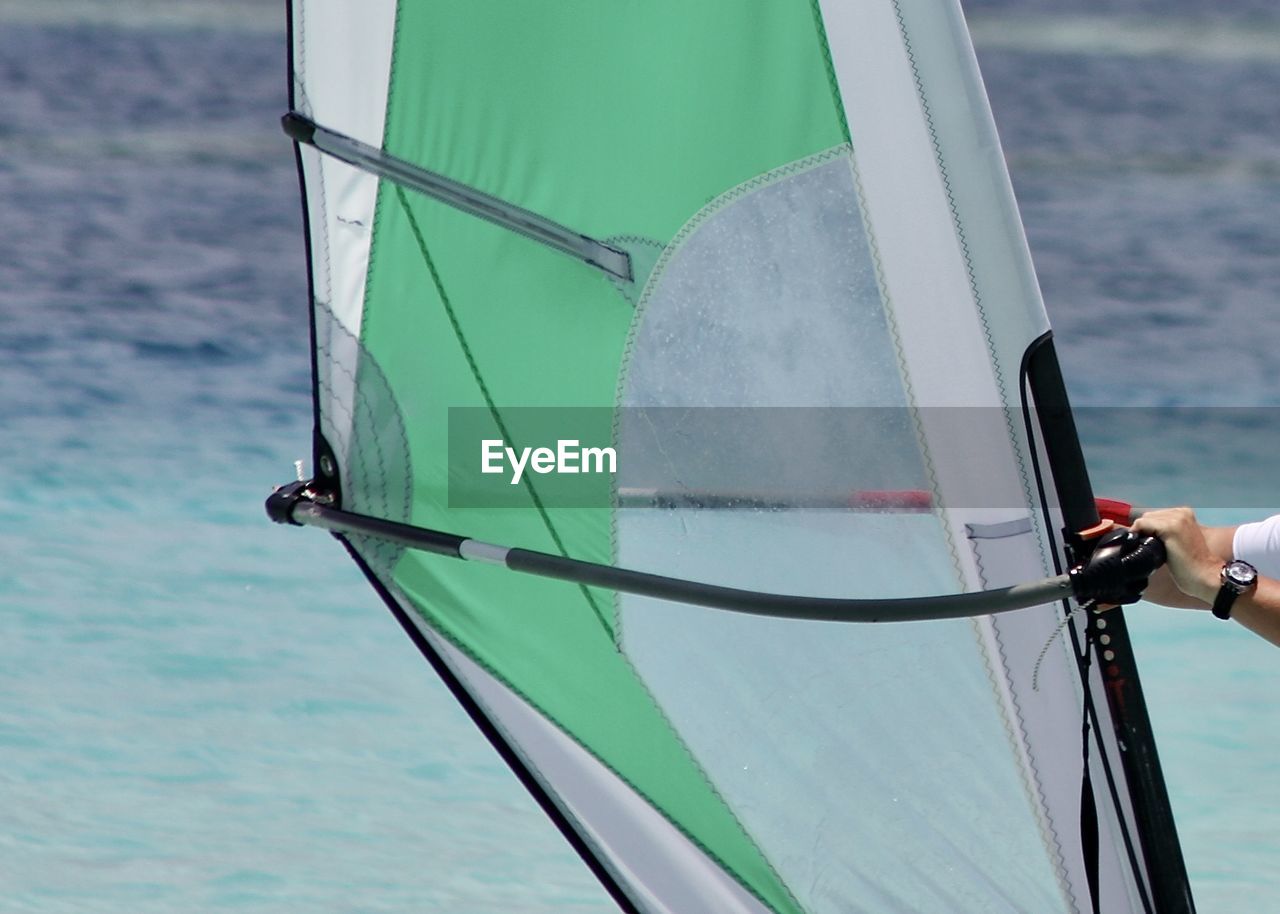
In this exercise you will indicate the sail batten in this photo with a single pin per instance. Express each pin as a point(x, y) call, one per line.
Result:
point(373, 160)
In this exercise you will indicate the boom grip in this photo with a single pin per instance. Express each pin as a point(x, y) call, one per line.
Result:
point(1119, 568)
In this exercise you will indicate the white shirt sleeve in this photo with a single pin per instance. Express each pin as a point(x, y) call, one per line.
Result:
point(1259, 545)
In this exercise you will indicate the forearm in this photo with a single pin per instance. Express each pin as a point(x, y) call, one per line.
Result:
point(1196, 556)
point(1257, 610)
point(1164, 590)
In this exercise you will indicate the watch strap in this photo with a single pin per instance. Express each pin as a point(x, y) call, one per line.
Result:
point(1223, 602)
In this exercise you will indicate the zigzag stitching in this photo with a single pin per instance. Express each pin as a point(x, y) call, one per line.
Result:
point(922, 441)
point(668, 253)
point(1000, 382)
point(1028, 489)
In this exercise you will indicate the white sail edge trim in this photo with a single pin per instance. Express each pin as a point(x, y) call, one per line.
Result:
point(910, 210)
point(664, 872)
point(342, 69)
point(924, 274)
point(1044, 725)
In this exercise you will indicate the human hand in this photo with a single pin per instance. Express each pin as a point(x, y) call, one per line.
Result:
point(1193, 566)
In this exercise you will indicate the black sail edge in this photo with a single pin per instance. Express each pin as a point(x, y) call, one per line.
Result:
point(1049, 411)
point(480, 718)
point(593, 861)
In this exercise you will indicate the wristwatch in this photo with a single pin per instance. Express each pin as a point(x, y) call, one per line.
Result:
point(1237, 577)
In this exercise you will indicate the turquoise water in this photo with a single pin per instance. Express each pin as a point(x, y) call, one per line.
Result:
point(200, 711)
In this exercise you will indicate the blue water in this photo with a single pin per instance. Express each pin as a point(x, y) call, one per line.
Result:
point(202, 712)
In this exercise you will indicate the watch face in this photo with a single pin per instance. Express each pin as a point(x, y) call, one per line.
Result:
point(1241, 574)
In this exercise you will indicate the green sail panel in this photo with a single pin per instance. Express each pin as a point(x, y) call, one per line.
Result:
point(647, 112)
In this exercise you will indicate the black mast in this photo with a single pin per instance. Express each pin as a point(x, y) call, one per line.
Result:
point(1050, 410)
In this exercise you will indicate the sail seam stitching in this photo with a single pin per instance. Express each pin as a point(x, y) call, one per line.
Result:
point(573, 737)
point(829, 68)
point(300, 57)
point(664, 258)
point(377, 446)
point(380, 204)
point(381, 200)
point(488, 397)
point(966, 254)
point(1031, 780)
point(677, 241)
point(891, 321)
point(711, 855)
point(634, 243)
point(387, 552)
point(669, 251)
point(984, 321)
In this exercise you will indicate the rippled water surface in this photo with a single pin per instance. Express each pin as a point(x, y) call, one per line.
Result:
point(199, 711)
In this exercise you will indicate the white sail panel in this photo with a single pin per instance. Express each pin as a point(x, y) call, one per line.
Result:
point(872, 764)
point(341, 56)
point(959, 279)
point(341, 66)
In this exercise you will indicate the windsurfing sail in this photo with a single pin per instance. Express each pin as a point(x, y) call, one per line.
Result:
point(764, 248)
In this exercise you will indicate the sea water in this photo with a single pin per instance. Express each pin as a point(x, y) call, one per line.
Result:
point(200, 711)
